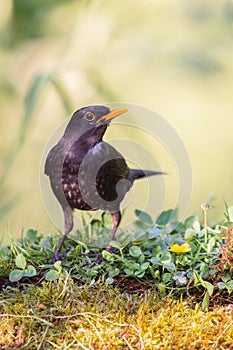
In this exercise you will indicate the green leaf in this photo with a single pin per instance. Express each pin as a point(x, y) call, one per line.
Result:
point(30, 102)
point(153, 232)
point(229, 285)
point(32, 96)
point(166, 216)
point(92, 273)
point(221, 285)
point(32, 234)
point(114, 272)
point(116, 245)
point(206, 301)
point(189, 233)
point(141, 258)
point(140, 274)
point(20, 261)
point(143, 216)
point(145, 265)
point(31, 99)
point(52, 275)
point(170, 266)
point(136, 266)
point(211, 244)
point(197, 226)
point(208, 286)
point(128, 272)
point(141, 225)
point(16, 275)
point(155, 261)
point(189, 274)
point(205, 284)
point(135, 251)
point(162, 287)
point(167, 277)
point(107, 256)
point(226, 278)
point(166, 258)
point(58, 266)
point(190, 221)
point(30, 271)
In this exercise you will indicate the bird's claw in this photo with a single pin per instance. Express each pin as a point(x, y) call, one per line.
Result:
point(55, 259)
point(58, 257)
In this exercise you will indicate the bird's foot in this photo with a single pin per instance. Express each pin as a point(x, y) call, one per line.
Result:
point(98, 256)
point(55, 259)
point(108, 248)
point(58, 257)
point(112, 250)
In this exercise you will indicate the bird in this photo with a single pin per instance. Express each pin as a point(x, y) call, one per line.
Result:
point(87, 173)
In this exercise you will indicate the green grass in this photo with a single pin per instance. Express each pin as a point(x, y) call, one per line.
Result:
point(169, 287)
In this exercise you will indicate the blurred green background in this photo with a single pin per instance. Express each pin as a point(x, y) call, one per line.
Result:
point(173, 56)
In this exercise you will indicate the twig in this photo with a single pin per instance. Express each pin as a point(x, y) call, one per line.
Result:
point(220, 336)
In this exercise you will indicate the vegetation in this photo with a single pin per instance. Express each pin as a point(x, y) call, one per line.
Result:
point(167, 284)
point(64, 315)
point(131, 298)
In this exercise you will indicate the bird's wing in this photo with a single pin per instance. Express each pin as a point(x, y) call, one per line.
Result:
point(105, 169)
point(106, 156)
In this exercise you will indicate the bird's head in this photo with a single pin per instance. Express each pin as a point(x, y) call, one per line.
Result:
point(92, 118)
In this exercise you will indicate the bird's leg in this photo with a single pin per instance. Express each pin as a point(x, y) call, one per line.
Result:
point(116, 218)
point(68, 216)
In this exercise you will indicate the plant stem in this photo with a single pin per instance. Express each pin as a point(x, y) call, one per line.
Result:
point(205, 226)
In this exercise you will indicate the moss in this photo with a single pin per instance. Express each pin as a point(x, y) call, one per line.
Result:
point(65, 315)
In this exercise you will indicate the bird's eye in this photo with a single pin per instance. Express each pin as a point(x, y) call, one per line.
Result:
point(89, 116)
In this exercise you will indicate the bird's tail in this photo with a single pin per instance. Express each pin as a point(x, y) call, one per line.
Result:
point(139, 174)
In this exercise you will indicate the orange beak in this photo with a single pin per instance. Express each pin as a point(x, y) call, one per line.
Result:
point(114, 112)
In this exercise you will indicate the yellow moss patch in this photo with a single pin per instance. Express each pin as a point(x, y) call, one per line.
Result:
point(74, 317)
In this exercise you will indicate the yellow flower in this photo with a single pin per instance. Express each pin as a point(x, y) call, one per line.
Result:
point(183, 248)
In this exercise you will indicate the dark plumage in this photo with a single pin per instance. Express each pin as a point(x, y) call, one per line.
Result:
point(87, 173)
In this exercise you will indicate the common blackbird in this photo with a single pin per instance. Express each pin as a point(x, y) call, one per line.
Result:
point(87, 173)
